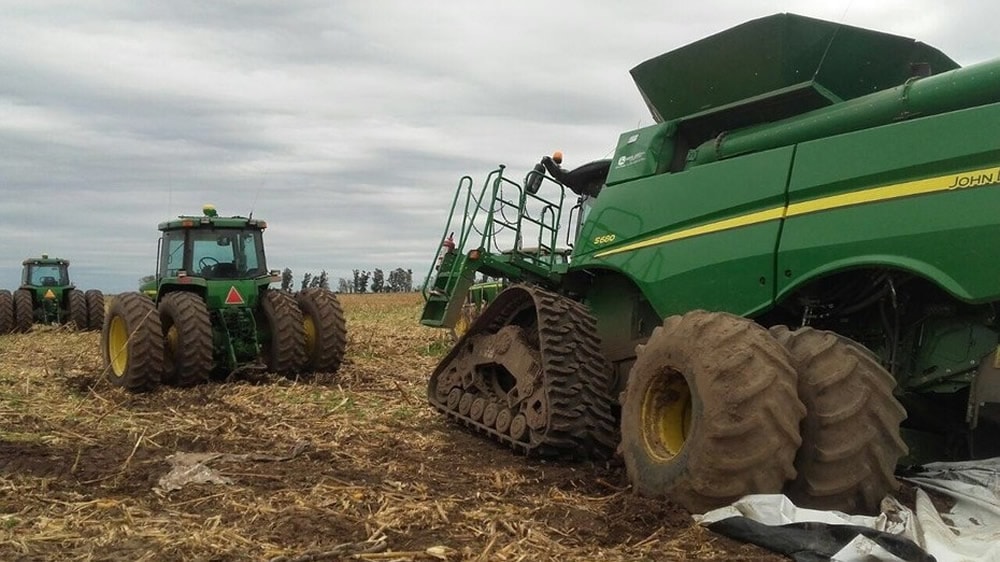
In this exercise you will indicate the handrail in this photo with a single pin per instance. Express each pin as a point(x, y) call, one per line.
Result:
point(484, 217)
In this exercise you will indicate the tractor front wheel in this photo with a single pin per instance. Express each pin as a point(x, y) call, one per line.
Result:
point(850, 437)
point(325, 330)
point(77, 305)
point(710, 412)
point(95, 309)
point(24, 310)
point(6, 312)
point(132, 343)
point(284, 342)
point(187, 335)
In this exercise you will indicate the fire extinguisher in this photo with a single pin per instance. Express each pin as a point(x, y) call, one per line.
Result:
point(447, 247)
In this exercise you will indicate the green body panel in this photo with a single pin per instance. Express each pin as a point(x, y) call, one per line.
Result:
point(642, 153)
point(480, 294)
point(732, 270)
point(930, 234)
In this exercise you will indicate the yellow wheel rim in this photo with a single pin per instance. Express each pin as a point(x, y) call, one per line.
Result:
point(118, 345)
point(666, 415)
point(310, 327)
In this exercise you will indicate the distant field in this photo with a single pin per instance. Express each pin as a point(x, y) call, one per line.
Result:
point(352, 466)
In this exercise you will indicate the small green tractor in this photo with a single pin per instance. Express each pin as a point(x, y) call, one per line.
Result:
point(47, 296)
point(788, 283)
point(211, 312)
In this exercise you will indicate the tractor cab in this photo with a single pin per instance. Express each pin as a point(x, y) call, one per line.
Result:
point(45, 272)
point(47, 281)
point(221, 258)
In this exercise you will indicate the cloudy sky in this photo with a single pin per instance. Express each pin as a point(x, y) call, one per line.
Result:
point(345, 124)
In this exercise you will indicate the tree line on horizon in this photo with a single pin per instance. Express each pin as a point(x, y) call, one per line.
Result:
point(399, 280)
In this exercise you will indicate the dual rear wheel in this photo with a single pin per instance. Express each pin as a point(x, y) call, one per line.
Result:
point(297, 336)
point(716, 407)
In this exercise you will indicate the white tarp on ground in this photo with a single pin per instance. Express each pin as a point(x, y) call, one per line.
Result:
point(969, 530)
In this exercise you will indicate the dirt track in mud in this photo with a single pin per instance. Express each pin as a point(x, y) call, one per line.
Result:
point(348, 467)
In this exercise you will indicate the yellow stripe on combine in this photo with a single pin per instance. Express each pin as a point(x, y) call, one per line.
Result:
point(963, 180)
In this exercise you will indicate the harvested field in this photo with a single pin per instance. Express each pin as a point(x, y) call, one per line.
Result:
point(352, 467)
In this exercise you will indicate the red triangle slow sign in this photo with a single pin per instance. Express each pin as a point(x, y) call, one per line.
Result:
point(234, 296)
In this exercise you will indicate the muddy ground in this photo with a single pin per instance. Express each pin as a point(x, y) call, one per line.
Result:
point(353, 466)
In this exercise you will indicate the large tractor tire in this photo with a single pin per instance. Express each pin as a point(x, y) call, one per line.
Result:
point(24, 310)
point(6, 312)
point(76, 304)
point(187, 335)
point(710, 412)
point(284, 341)
point(850, 437)
point(325, 330)
point(132, 343)
point(95, 309)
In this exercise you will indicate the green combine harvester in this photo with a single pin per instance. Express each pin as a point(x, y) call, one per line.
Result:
point(786, 284)
point(47, 296)
point(210, 311)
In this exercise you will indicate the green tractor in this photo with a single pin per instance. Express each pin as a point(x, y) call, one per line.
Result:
point(211, 312)
point(47, 296)
point(786, 284)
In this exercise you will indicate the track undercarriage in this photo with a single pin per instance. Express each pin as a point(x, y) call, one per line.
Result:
point(529, 373)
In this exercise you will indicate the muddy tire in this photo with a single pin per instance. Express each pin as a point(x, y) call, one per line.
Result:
point(24, 310)
point(6, 312)
point(284, 340)
point(850, 436)
point(76, 305)
point(95, 309)
point(132, 343)
point(710, 412)
point(325, 330)
point(187, 339)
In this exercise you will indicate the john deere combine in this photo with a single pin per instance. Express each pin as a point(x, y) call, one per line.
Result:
point(212, 311)
point(47, 296)
point(785, 284)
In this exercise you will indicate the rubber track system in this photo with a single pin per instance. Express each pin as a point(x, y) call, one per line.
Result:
point(529, 373)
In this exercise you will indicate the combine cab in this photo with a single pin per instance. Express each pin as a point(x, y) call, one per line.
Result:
point(47, 296)
point(211, 311)
point(786, 284)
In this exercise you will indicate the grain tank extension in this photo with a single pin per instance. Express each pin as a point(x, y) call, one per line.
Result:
point(788, 283)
